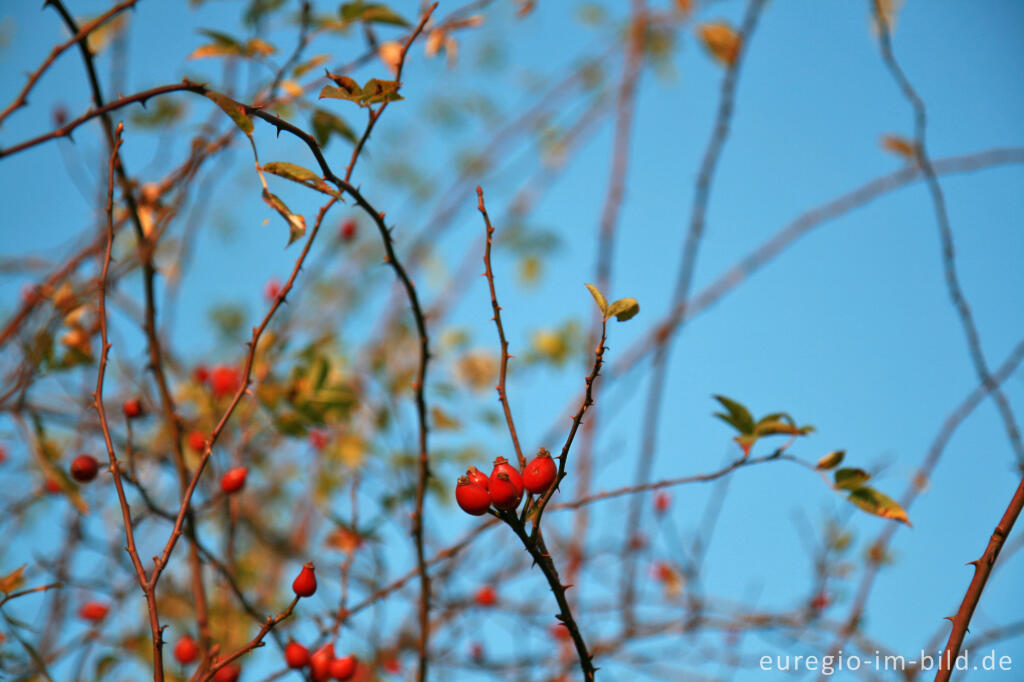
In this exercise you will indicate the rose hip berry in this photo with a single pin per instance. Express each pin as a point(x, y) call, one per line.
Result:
point(504, 493)
point(540, 473)
point(224, 381)
point(501, 465)
point(186, 650)
point(472, 498)
point(478, 477)
point(229, 673)
point(233, 480)
point(485, 596)
point(662, 501)
point(304, 584)
point(343, 668)
point(320, 662)
point(296, 655)
point(348, 230)
point(132, 408)
point(93, 611)
point(84, 468)
point(196, 440)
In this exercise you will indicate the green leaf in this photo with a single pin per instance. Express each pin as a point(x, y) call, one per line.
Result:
point(233, 109)
point(770, 428)
point(370, 12)
point(879, 504)
point(376, 91)
point(326, 124)
point(602, 304)
point(739, 416)
point(850, 479)
point(831, 460)
point(222, 39)
point(293, 172)
point(624, 309)
point(296, 223)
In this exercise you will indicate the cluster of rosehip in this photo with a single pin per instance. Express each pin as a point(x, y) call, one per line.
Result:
point(324, 664)
point(476, 493)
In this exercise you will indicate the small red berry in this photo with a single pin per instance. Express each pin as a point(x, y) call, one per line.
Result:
point(93, 611)
point(229, 673)
point(84, 468)
point(318, 439)
point(559, 631)
point(476, 476)
point(186, 650)
point(476, 652)
point(296, 655)
point(132, 408)
point(473, 499)
point(233, 480)
point(662, 501)
point(820, 601)
point(197, 440)
point(392, 666)
point(200, 374)
point(304, 584)
point(320, 662)
point(485, 596)
point(272, 289)
point(52, 485)
point(224, 381)
point(501, 464)
point(343, 668)
point(504, 493)
point(540, 473)
point(348, 230)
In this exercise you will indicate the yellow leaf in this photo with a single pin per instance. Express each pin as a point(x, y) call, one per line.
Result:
point(899, 145)
point(391, 54)
point(443, 421)
point(721, 41)
point(12, 580)
point(292, 88)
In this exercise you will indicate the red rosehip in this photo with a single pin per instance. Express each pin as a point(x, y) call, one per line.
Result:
point(501, 464)
point(132, 408)
point(51, 485)
point(318, 439)
point(348, 230)
point(229, 673)
point(84, 468)
point(296, 655)
point(186, 650)
point(392, 666)
point(272, 289)
point(540, 473)
point(559, 631)
point(477, 476)
point(224, 381)
point(93, 611)
point(320, 662)
point(304, 584)
point(200, 374)
point(661, 502)
point(196, 440)
point(233, 480)
point(476, 651)
point(504, 493)
point(343, 668)
point(3, 454)
point(472, 498)
point(485, 596)
point(820, 601)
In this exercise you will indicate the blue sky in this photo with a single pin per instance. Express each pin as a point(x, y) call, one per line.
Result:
point(851, 329)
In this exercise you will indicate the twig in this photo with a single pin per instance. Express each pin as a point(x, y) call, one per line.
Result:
point(83, 33)
point(253, 643)
point(982, 569)
point(956, 293)
point(502, 341)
